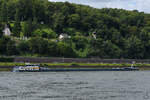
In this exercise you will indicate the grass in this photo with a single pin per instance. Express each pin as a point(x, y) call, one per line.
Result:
point(84, 64)
point(74, 64)
point(10, 64)
point(93, 64)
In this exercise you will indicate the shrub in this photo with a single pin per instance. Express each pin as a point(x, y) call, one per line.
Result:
point(8, 59)
point(75, 64)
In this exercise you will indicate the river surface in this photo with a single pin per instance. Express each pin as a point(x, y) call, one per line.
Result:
point(75, 85)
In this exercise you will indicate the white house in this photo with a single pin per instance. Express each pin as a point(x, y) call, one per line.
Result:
point(7, 31)
point(63, 36)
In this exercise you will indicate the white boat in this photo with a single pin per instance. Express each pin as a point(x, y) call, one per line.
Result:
point(27, 67)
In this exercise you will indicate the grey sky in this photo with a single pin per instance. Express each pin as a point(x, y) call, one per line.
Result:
point(141, 5)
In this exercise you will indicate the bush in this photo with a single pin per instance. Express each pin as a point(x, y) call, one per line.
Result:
point(8, 59)
point(75, 64)
point(45, 33)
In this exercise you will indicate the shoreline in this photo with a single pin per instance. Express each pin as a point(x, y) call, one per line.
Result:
point(32, 59)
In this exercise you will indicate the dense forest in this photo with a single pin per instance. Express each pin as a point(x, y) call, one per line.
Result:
point(36, 26)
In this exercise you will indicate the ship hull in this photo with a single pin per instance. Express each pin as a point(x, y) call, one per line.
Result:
point(68, 70)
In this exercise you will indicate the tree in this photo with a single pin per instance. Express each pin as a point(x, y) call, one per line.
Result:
point(4, 12)
point(3, 45)
point(58, 22)
point(119, 33)
point(81, 45)
point(52, 49)
point(65, 50)
point(144, 36)
point(73, 21)
point(1, 30)
point(81, 42)
point(17, 26)
point(111, 50)
point(96, 49)
point(28, 28)
point(11, 48)
point(38, 45)
point(26, 9)
point(134, 49)
point(23, 47)
point(45, 33)
point(7, 46)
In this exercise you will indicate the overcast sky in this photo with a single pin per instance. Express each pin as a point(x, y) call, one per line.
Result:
point(141, 5)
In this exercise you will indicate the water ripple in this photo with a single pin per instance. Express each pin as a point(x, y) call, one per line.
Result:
point(75, 86)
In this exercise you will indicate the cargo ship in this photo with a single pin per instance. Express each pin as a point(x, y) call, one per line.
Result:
point(37, 68)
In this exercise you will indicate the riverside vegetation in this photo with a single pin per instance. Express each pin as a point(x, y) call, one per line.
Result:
point(117, 33)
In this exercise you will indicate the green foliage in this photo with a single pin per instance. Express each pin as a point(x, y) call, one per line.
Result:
point(17, 29)
point(17, 25)
point(119, 33)
point(58, 22)
point(65, 50)
point(38, 45)
point(23, 47)
point(11, 48)
point(28, 28)
point(70, 31)
point(52, 49)
point(4, 12)
point(1, 30)
point(134, 47)
point(45, 33)
point(73, 20)
point(75, 64)
point(3, 45)
point(6, 59)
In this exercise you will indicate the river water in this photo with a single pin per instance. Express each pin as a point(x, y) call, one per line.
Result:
point(75, 85)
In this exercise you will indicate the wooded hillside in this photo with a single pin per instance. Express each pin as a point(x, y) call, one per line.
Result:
point(105, 33)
